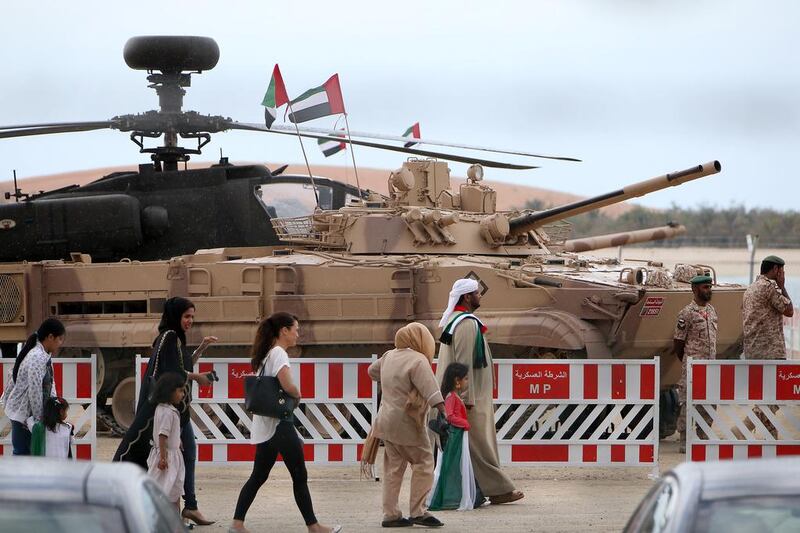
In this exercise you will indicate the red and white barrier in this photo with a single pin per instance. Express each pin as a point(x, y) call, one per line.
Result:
point(584, 413)
point(75, 382)
point(594, 412)
point(339, 401)
point(729, 391)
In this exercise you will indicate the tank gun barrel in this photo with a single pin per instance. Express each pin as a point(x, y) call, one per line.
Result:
point(626, 237)
point(523, 223)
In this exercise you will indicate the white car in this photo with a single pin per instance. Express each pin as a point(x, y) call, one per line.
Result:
point(754, 495)
point(55, 495)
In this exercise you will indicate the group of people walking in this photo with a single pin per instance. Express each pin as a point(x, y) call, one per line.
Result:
point(766, 302)
point(467, 473)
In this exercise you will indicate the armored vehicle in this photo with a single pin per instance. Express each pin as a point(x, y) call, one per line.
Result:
point(356, 274)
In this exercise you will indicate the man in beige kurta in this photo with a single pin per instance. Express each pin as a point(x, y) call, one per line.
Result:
point(461, 348)
point(409, 389)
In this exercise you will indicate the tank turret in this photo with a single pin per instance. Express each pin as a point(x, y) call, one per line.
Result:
point(625, 237)
point(423, 215)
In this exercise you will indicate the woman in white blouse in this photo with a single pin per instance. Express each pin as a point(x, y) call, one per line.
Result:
point(273, 436)
point(32, 383)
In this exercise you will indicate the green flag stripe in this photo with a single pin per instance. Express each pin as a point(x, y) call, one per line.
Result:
point(309, 93)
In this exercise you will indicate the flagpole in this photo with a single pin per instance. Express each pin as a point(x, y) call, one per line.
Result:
point(355, 168)
point(305, 157)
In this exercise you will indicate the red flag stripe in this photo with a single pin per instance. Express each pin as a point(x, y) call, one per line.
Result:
point(334, 91)
point(281, 96)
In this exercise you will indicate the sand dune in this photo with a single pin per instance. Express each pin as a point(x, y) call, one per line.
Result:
point(509, 196)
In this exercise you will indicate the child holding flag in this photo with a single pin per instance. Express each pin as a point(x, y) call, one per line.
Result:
point(453, 480)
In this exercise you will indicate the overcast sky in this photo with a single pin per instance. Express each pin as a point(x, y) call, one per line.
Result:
point(634, 88)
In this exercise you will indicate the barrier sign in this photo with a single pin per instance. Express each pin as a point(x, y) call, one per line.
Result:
point(741, 409)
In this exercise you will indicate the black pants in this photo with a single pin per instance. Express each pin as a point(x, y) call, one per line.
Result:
point(288, 444)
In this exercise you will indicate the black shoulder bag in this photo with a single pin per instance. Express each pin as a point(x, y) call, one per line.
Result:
point(264, 396)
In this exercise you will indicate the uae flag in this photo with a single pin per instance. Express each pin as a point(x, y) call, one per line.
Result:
point(318, 102)
point(331, 147)
point(412, 132)
point(276, 96)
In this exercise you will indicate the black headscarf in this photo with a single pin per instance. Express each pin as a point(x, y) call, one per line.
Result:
point(171, 317)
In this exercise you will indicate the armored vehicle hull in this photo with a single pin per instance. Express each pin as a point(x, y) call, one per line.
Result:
point(355, 275)
point(353, 306)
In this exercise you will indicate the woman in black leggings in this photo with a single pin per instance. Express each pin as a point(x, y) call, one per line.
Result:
point(271, 435)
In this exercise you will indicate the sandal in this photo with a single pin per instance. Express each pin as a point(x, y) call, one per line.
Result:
point(427, 521)
point(397, 522)
point(508, 497)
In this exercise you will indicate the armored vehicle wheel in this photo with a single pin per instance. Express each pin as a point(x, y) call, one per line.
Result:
point(171, 53)
point(123, 402)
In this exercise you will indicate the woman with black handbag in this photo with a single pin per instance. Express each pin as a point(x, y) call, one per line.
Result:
point(169, 355)
point(272, 435)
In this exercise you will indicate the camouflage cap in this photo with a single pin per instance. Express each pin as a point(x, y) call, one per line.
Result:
point(774, 259)
point(699, 280)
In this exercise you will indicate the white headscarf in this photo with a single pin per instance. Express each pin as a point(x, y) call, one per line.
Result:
point(460, 288)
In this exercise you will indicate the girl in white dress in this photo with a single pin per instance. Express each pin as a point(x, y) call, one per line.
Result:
point(58, 432)
point(165, 463)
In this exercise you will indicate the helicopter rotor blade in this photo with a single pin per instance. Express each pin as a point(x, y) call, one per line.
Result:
point(48, 125)
point(67, 127)
point(398, 138)
point(412, 151)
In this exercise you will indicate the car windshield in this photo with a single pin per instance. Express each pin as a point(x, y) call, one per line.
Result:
point(758, 513)
point(34, 517)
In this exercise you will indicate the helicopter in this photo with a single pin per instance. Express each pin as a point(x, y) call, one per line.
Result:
point(162, 210)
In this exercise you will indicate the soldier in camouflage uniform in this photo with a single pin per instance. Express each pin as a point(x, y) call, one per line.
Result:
point(765, 304)
point(695, 336)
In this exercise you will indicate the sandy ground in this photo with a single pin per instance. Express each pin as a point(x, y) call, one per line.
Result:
point(556, 499)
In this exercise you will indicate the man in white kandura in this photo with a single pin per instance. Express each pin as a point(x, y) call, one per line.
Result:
point(462, 341)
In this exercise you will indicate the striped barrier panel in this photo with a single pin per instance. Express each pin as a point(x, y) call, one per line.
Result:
point(334, 417)
point(577, 412)
point(75, 382)
point(742, 409)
